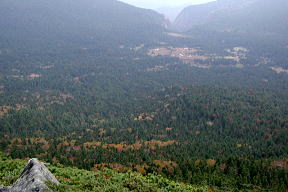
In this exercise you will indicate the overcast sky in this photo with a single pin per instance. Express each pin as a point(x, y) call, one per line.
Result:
point(154, 4)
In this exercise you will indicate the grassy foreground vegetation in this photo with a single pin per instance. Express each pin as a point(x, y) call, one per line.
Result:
point(73, 179)
point(77, 180)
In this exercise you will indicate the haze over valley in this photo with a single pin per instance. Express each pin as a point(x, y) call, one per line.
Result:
point(160, 98)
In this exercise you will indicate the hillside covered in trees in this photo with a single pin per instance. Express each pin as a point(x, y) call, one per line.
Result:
point(124, 92)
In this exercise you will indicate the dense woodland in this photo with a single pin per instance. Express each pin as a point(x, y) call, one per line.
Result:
point(96, 104)
point(221, 126)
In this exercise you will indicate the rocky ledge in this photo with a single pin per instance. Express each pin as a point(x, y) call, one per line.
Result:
point(32, 179)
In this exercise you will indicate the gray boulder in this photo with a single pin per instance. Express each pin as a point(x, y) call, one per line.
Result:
point(32, 179)
point(4, 189)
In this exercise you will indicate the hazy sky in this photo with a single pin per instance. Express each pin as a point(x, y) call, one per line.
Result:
point(152, 4)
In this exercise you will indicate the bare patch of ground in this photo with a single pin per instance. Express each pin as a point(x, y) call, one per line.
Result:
point(187, 55)
point(279, 70)
point(4, 110)
point(145, 116)
point(198, 58)
point(178, 35)
point(233, 58)
point(78, 79)
point(46, 67)
point(33, 76)
point(137, 48)
point(281, 164)
point(21, 77)
point(28, 77)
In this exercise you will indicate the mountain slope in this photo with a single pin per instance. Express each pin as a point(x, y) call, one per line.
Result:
point(171, 12)
point(241, 16)
point(62, 24)
point(193, 15)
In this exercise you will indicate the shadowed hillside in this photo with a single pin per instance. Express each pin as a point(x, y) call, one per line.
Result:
point(240, 16)
point(57, 25)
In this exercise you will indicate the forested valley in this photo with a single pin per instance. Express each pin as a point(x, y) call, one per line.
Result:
point(202, 107)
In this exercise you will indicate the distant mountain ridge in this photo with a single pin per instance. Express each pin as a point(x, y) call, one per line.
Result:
point(171, 12)
point(66, 23)
point(241, 16)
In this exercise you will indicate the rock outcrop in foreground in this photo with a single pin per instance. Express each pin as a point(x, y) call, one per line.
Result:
point(32, 179)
